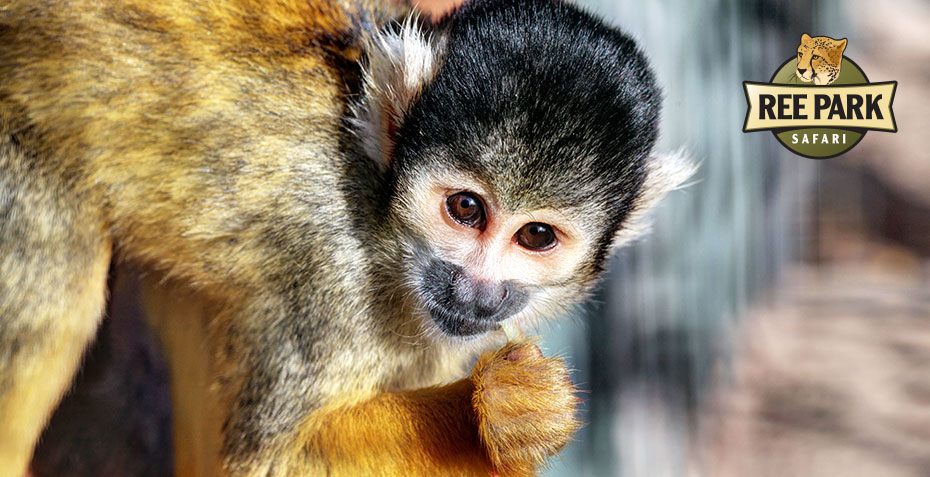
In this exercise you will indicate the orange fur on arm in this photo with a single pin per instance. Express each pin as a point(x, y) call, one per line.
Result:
point(517, 409)
point(429, 431)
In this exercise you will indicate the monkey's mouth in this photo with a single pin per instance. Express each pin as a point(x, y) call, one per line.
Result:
point(462, 325)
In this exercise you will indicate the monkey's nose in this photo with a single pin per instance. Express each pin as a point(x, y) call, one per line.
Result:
point(488, 299)
point(484, 298)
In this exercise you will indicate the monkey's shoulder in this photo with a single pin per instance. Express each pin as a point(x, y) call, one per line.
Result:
point(203, 127)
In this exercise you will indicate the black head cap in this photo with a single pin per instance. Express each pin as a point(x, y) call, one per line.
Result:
point(542, 101)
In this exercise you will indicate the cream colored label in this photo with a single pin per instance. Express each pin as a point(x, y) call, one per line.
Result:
point(776, 106)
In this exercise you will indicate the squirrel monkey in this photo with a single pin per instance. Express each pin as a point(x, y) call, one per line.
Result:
point(336, 204)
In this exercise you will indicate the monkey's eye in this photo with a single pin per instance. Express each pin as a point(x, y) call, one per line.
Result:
point(466, 209)
point(536, 236)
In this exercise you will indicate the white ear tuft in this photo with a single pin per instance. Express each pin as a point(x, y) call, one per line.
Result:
point(664, 173)
point(400, 63)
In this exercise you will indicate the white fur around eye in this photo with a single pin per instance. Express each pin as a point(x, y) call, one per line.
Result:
point(399, 64)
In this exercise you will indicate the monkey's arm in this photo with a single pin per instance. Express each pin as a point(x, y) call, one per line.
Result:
point(515, 410)
point(430, 431)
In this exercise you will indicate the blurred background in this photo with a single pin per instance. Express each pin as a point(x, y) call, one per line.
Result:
point(776, 321)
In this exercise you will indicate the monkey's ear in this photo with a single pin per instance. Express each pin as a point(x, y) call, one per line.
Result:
point(664, 173)
point(400, 62)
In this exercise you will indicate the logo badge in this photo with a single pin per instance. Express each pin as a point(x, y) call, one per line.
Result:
point(819, 104)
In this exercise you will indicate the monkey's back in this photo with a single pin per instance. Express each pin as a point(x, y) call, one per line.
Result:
point(191, 122)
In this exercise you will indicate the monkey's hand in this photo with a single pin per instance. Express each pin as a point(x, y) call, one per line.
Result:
point(525, 405)
point(516, 409)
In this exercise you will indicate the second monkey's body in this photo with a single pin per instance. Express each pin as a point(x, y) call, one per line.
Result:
point(251, 157)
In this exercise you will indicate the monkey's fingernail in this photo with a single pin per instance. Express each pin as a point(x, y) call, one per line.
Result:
point(524, 352)
point(512, 330)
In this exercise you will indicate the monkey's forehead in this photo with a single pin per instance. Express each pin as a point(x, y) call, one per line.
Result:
point(531, 158)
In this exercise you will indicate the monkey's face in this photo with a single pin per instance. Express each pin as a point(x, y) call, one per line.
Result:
point(518, 157)
point(477, 262)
